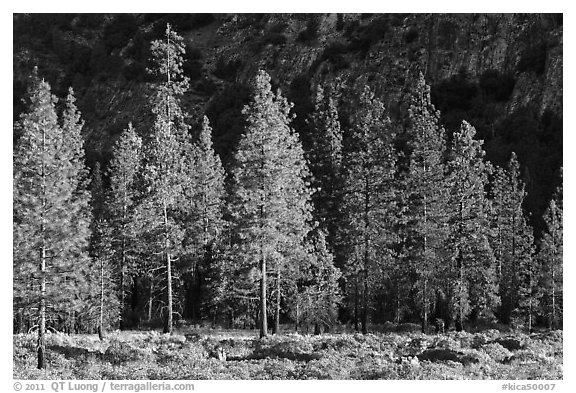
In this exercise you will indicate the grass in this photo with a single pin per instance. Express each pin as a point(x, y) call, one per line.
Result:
point(194, 355)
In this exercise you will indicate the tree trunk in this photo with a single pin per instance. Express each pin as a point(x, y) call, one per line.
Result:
point(150, 299)
point(101, 324)
point(530, 300)
point(263, 321)
point(460, 316)
point(276, 329)
point(42, 308)
point(365, 305)
point(425, 307)
point(356, 294)
point(122, 280)
point(553, 318)
point(317, 329)
point(42, 312)
point(168, 322)
point(366, 259)
point(297, 316)
point(426, 267)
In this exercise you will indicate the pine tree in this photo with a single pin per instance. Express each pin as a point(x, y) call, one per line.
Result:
point(204, 198)
point(51, 209)
point(271, 200)
point(550, 257)
point(319, 294)
point(529, 291)
point(513, 240)
point(474, 285)
point(326, 160)
point(123, 169)
point(98, 193)
point(103, 275)
point(368, 201)
point(72, 124)
point(427, 190)
point(164, 173)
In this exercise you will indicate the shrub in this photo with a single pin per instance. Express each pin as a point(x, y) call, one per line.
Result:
point(511, 343)
point(445, 343)
point(497, 352)
point(439, 355)
point(120, 352)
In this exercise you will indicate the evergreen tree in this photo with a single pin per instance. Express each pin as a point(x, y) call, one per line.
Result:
point(319, 297)
point(513, 240)
point(271, 199)
point(72, 124)
point(550, 257)
point(204, 198)
point(474, 276)
point(427, 191)
point(368, 201)
point(164, 173)
point(105, 278)
point(529, 291)
point(98, 193)
point(326, 161)
point(103, 290)
point(123, 169)
point(51, 210)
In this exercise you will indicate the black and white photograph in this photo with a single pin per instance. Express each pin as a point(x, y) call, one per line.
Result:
point(287, 196)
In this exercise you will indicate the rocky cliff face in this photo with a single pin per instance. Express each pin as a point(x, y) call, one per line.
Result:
point(381, 49)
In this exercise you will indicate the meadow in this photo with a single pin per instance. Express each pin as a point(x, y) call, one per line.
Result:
point(200, 354)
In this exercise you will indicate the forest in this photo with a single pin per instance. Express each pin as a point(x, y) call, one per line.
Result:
point(375, 220)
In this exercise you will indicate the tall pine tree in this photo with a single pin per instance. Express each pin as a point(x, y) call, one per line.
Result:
point(368, 202)
point(164, 173)
point(123, 169)
point(472, 266)
point(204, 197)
point(271, 199)
point(427, 192)
point(326, 160)
point(51, 209)
point(550, 257)
point(512, 239)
